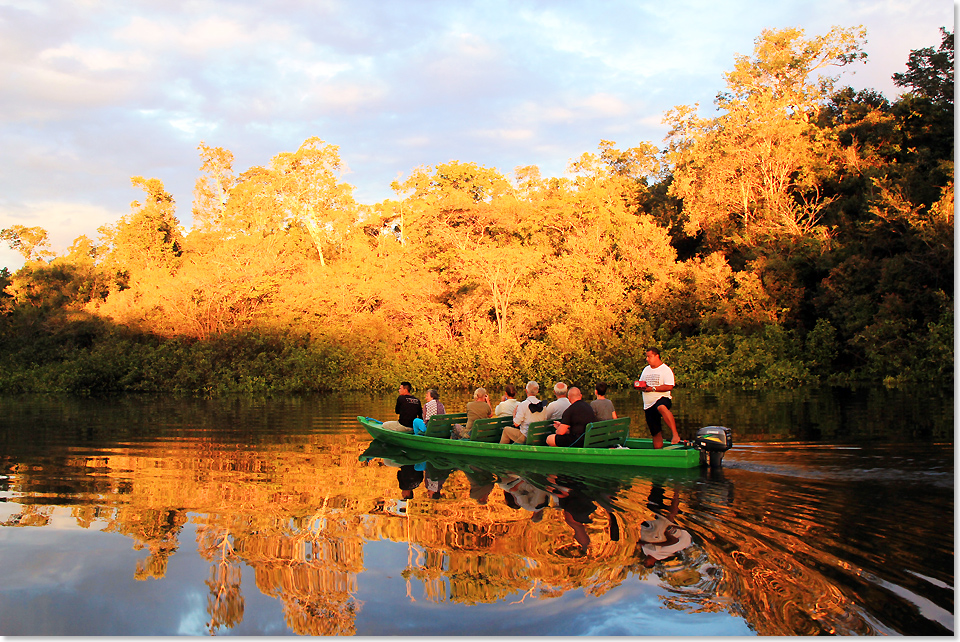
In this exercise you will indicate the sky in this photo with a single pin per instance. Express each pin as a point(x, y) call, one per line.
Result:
point(94, 92)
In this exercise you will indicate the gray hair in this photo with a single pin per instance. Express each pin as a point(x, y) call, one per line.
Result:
point(433, 394)
point(480, 392)
point(560, 389)
point(532, 387)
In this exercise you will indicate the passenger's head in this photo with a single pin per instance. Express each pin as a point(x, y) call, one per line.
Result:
point(532, 388)
point(510, 390)
point(405, 388)
point(480, 394)
point(560, 389)
point(433, 394)
point(573, 394)
point(601, 389)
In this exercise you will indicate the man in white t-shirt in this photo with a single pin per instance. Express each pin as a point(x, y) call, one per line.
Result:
point(529, 410)
point(656, 381)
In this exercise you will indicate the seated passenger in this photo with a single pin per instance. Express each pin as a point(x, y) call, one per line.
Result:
point(432, 406)
point(407, 406)
point(479, 408)
point(529, 410)
point(601, 405)
point(573, 424)
point(508, 405)
point(560, 404)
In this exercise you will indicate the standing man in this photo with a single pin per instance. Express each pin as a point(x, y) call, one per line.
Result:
point(408, 406)
point(656, 381)
point(573, 422)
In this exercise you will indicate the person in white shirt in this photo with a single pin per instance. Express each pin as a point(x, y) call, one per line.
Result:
point(556, 408)
point(655, 383)
point(529, 410)
point(508, 404)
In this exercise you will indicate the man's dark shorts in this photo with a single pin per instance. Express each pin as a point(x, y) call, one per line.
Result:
point(568, 439)
point(653, 415)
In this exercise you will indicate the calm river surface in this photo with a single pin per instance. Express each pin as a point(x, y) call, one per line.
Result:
point(163, 516)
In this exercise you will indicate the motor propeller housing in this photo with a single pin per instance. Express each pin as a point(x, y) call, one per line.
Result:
point(713, 442)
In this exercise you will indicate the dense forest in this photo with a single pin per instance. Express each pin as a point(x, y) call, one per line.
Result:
point(801, 235)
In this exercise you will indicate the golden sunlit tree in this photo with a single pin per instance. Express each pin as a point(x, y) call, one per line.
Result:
point(754, 172)
point(31, 242)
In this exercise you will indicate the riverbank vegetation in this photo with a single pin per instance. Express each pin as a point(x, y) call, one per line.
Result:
point(801, 235)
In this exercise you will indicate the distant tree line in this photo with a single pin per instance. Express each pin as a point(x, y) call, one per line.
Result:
point(802, 235)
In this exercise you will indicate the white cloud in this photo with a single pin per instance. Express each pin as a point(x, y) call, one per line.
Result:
point(64, 221)
point(510, 135)
point(201, 36)
point(95, 93)
point(95, 59)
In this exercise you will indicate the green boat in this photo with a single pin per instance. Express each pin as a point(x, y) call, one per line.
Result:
point(605, 442)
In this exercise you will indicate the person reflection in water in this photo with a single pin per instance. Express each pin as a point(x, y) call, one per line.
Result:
point(519, 493)
point(576, 506)
point(433, 479)
point(408, 478)
point(660, 537)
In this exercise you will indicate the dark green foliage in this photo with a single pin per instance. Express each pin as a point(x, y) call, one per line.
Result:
point(930, 73)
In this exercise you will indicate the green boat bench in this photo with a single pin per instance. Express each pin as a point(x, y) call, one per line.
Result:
point(441, 425)
point(489, 430)
point(607, 434)
point(600, 434)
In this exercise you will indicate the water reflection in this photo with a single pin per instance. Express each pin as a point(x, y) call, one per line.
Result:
point(286, 516)
point(561, 532)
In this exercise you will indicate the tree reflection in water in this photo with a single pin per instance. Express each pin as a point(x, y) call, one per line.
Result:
point(300, 514)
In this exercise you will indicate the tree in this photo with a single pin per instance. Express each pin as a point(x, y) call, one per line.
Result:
point(754, 172)
point(213, 187)
point(308, 190)
point(930, 73)
point(31, 242)
point(146, 239)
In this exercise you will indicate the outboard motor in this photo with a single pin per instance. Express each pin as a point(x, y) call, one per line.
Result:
point(712, 442)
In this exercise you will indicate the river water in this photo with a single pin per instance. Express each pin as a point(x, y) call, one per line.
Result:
point(833, 513)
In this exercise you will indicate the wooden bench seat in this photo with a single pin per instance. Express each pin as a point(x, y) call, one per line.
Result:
point(607, 434)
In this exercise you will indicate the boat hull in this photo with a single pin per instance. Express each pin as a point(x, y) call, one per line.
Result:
point(639, 452)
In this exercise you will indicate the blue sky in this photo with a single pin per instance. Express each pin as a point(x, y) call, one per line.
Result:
point(93, 92)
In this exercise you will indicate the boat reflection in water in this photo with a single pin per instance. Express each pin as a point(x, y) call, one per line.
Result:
point(545, 533)
point(322, 532)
